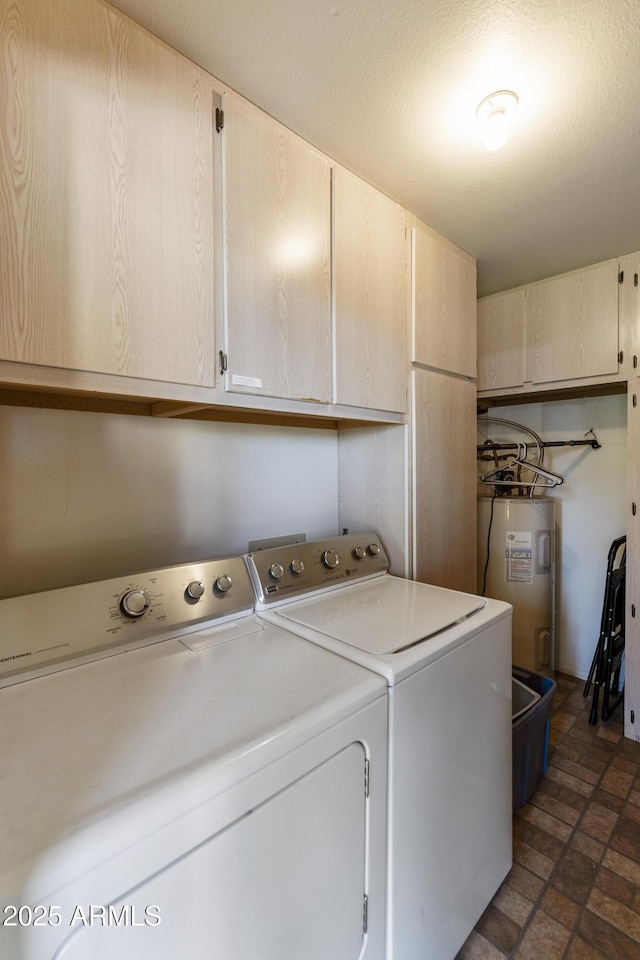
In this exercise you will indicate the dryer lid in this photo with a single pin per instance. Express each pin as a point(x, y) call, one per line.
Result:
point(385, 615)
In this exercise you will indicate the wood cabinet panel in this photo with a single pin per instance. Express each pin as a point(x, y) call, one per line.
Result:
point(278, 260)
point(370, 278)
point(374, 487)
point(629, 315)
point(444, 304)
point(444, 513)
point(632, 587)
point(574, 324)
point(501, 340)
point(106, 196)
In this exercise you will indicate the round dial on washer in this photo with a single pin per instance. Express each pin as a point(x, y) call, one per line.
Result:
point(276, 570)
point(223, 583)
point(330, 559)
point(359, 553)
point(297, 567)
point(135, 603)
point(374, 549)
point(194, 590)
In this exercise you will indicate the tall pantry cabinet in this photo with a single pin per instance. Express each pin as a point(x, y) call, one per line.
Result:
point(418, 483)
point(443, 295)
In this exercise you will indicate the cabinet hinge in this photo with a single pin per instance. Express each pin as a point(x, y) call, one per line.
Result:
point(366, 778)
point(223, 361)
point(219, 119)
point(621, 277)
point(621, 356)
point(365, 913)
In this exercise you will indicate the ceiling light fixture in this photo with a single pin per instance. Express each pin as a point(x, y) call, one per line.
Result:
point(493, 114)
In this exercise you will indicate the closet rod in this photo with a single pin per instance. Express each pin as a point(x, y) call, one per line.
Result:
point(489, 445)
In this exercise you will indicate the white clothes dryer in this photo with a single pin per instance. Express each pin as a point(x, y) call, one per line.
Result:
point(209, 786)
point(446, 658)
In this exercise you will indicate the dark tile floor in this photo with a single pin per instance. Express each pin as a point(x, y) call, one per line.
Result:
point(574, 890)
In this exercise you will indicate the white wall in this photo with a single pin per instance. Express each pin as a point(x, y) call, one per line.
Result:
point(590, 510)
point(86, 496)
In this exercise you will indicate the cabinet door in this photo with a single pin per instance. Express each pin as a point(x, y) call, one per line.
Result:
point(278, 242)
point(286, 879)
point(370, 277)
point(629, 316)
point(632, 587)
point(106, 196)
point(501, 340)
point(444, 514)
point(444, 304)
point(574, 324)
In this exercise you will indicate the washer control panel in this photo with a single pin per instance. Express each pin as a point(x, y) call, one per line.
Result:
point(287, 571)
point(42, 632)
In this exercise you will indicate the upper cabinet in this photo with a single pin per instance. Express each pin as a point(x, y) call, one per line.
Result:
point(574, 324)
point(444, 304)
point(629, 315)
point(558, 334)
point(501, 340)
point(370, 283)
point(106, 196)
point(277, 259)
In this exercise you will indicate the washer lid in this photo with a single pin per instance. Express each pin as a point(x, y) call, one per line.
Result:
point(385, 615)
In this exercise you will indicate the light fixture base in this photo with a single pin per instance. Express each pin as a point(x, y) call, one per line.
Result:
point(505, 101)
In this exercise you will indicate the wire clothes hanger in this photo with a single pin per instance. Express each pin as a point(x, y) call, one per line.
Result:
point(542, 477)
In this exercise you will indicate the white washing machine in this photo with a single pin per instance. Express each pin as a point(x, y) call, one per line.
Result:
point(446, 658)
point(210, 786)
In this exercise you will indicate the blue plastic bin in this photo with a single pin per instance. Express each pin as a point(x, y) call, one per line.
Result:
point(530, 731)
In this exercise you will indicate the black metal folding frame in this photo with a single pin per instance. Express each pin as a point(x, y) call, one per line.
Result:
point(606, 666)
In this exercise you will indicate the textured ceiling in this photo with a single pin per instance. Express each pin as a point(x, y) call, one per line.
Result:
point(389, 88)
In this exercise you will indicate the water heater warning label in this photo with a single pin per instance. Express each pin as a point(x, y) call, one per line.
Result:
point(519, 557)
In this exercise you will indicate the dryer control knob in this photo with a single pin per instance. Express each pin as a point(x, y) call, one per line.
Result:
point(297, 567)
point(374, 549)
point(223, 583)
point(135, 602)
point(194, 590)
point(276, 570)
point(359, 553)
point(330, 559)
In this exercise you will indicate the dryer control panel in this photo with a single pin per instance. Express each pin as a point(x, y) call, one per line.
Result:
point(299, 568)
point(43, 632)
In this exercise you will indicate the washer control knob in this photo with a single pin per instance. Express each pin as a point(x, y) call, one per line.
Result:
point(223, 583)
point(194, 590)
point(359, 553)
point(135, 603)
point(276, 570)
point(374, 549)
point(330, 559)
point(297, 567)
